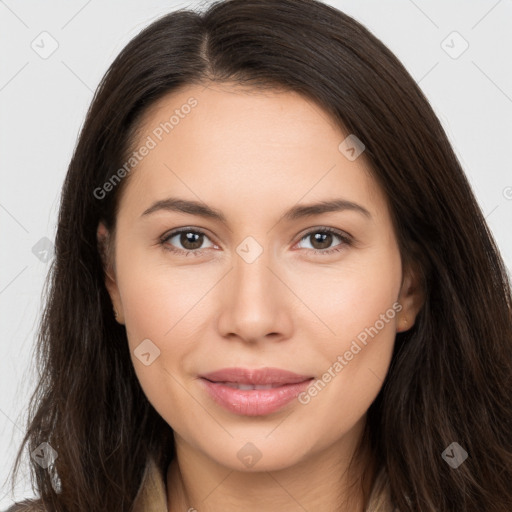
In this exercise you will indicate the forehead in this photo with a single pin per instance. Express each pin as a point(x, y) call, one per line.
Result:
point(272, 117)
point(236, 142)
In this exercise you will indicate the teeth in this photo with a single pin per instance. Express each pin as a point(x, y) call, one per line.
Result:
point(246, 387)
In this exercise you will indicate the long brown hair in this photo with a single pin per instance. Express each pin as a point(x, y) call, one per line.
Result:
point(450, 377)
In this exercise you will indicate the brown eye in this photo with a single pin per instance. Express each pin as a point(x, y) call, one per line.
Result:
point(187, 241)
point(321, 240)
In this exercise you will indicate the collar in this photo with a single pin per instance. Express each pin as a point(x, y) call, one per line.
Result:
point(152, 493)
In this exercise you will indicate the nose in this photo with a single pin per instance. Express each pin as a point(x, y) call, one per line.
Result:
point(255, 304)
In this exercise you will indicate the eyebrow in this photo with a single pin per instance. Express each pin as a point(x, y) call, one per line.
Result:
point(297, 212)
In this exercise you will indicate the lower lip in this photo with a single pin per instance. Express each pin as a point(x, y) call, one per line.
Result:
point(254, 402)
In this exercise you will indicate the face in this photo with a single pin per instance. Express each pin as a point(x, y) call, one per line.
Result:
point(265, 282)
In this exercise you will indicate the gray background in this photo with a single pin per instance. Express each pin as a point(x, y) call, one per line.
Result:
point(43, 103)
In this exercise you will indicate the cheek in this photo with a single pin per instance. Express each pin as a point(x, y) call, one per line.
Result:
point(166, 306)
point(153, 303)
point(358, 304)
point(349, 296)
point(157, 324)
point(155, 296)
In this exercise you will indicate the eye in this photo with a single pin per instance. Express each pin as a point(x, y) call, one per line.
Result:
point(322, 238)
point(190, 240)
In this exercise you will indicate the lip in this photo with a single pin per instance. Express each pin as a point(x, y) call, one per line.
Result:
point(257, 376)
point(256, 402)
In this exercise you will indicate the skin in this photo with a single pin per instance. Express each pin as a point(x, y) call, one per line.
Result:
point(254, 155)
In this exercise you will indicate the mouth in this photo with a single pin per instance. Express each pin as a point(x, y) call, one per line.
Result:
point(246, 387)
point(267, 376)
point(253, 392)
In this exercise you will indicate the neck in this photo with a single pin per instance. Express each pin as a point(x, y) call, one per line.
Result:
point(323, 481)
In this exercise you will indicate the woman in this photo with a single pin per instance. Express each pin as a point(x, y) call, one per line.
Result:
point(273, 287)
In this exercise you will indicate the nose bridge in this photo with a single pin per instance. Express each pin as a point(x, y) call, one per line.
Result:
point(251, 273)
point(252, 305)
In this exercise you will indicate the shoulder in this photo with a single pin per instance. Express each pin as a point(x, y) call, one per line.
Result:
point(26, 506)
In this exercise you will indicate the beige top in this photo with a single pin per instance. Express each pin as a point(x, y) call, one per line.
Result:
point(152, 494)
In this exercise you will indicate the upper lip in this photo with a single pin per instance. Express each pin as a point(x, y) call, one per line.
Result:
point(255, 376)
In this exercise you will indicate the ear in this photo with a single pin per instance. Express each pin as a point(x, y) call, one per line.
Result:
point(412, 298)
point(105, 248)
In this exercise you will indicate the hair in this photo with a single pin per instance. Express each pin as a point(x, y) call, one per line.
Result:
point(450, 376)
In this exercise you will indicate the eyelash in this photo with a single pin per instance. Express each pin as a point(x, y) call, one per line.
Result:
point(346, 240)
